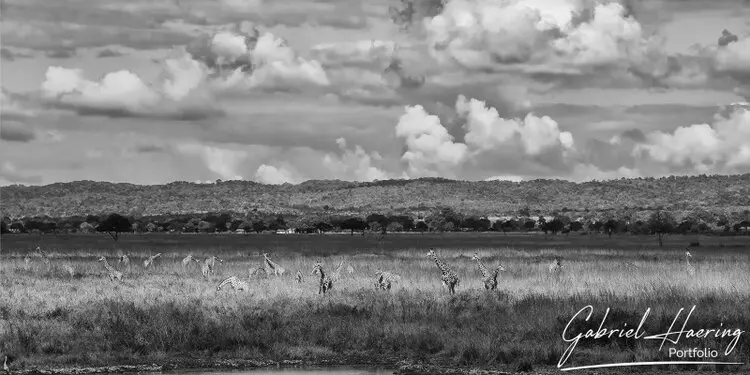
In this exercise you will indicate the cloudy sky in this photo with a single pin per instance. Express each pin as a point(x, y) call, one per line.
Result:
point(153, 91)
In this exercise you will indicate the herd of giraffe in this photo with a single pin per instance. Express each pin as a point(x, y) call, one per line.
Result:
point(384, 279)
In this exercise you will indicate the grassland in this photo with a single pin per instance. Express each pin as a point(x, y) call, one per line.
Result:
point(49, 318)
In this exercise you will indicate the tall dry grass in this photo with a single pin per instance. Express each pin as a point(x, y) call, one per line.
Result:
point(50, 317)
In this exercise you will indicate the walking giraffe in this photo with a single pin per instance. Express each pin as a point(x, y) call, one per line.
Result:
point(235, 282)
point(556, 265)
point(326, 283)
point(489, 278)
point(148, 262)
point(113, 273)
point(299, 277)
point(273, 267)
point(385, 279)
point(448, 277)
point(690, 267)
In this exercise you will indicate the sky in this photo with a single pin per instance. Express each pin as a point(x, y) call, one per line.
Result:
point(155, 91)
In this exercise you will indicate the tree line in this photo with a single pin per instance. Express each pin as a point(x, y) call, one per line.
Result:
point(657, 222)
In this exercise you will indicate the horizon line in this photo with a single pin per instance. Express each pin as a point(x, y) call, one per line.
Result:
point(653, 363)
point(392, 179)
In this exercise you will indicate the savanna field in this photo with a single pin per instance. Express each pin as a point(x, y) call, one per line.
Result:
point(71, 313)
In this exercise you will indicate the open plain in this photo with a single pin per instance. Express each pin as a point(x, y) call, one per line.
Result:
point(70, 313)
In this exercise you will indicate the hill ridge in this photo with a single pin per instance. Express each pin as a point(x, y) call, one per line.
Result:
point(396, 195)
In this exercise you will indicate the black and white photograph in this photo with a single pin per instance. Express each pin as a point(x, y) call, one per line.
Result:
point(375, 187)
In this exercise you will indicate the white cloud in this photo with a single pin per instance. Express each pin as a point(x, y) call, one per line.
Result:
point(225, 162)
point(179, 94)
point(723, 146)
point(430, 150)
point(560, 36)
point(354, 164)
point(268, 174)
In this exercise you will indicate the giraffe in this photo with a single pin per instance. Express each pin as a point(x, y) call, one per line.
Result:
point(113, 273)
point(489, 278)
point(273, 266)
point(45, 257)
point(349, 269)
point(556, 265)
point(70, 270)
point(186, 261)
point(326, 283)
point(299, 277)
point(385, 279)
point(124, 260)
point(148, 262)
point(690, 267)
point(448, 277)
point(27, 262)
point(235, 282)
point(6, 363)
point(337, 272)
point(208, 265)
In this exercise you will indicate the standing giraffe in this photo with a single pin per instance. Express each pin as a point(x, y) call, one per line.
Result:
point(124, 260)
point(556, 265)
point(277, 269)
point(489, 278)
point(690, 267)
point(45, 257)
point(336, 275)
point(385, 279)
point(27, 261)
point(6, 363)
point(325, 283)
point(235, 282)
point(148, 262)
point(186, 261)
point(448, 277)
point(113, 273)
point(299, 277)
point(209, 264)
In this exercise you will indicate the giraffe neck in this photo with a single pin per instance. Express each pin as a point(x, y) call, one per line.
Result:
point(482, 268)
point(322, 274)
point(107, 266)
point(442, 266)
point(687, 260)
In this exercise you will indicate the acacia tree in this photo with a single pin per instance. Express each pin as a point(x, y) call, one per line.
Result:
point(661, 222)
point(115, 224)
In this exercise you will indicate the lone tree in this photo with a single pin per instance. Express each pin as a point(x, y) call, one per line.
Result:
point(115, 224)
point(660, 223)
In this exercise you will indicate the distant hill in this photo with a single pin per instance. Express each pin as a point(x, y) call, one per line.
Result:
point(419, 195)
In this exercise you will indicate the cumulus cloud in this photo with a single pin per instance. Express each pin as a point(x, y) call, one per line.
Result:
point(244, 59)
point(225, 162)
point(723, 146)
point(11, 108)
point(356, 164)
point(269, 174)
point(179, 94)
point(565, 37)
point(430, 150)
